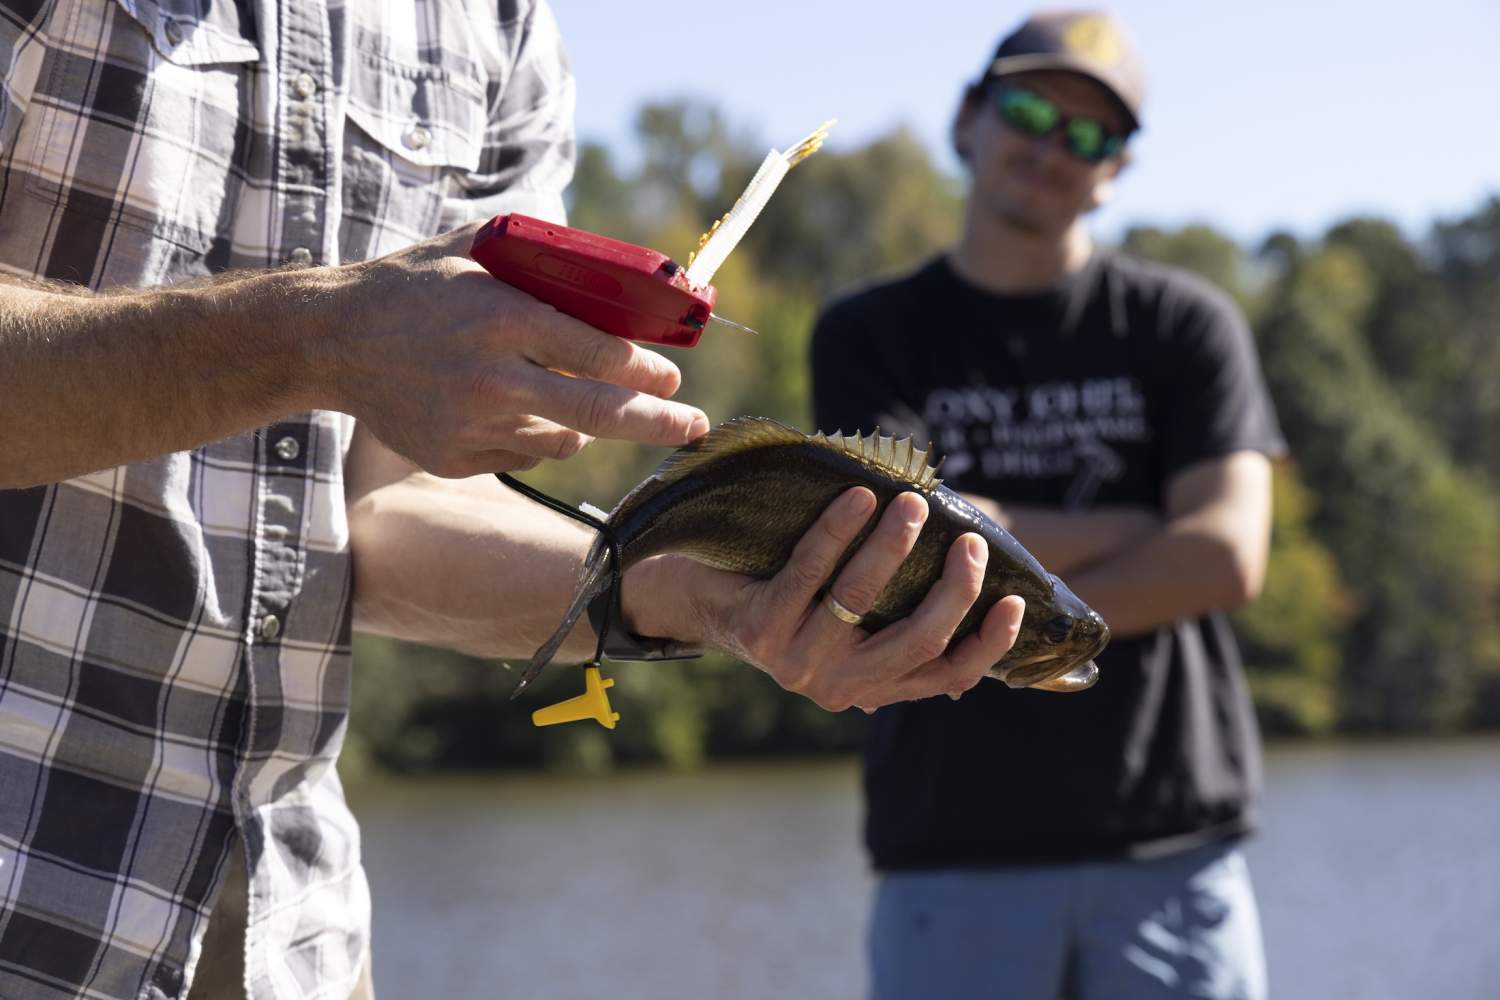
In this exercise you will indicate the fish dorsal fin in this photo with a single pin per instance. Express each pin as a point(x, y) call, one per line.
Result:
point(734, 435)
point(901, 459)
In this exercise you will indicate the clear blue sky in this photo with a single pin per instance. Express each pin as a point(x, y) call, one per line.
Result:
point(1259, 115)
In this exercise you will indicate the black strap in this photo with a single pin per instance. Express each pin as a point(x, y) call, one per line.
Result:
point(612, 596)
point(604, 610)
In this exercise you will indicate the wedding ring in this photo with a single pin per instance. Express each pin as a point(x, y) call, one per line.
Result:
point(840, 612)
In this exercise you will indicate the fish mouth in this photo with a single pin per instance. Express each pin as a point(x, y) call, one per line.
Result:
point(1061, 672)
point(1080, 678)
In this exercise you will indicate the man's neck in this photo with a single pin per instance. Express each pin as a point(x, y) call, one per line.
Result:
point(1010, 261)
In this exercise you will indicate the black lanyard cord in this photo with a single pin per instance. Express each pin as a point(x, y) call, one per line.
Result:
point(605, 531)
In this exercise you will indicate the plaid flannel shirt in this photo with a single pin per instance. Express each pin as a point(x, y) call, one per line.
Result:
point(174, 634)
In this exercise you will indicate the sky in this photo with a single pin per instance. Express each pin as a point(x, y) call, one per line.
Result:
point(1258, 116)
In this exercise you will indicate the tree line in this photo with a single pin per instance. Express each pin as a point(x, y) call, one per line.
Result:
point(1382, 352)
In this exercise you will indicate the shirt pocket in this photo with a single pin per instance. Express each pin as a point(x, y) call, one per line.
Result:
point(139, 114)
point(417, 127)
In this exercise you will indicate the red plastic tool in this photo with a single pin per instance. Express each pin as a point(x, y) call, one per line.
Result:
point(627, 290)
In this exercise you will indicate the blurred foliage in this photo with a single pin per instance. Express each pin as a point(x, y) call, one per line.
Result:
point(1414, 531)
point(1383, 355)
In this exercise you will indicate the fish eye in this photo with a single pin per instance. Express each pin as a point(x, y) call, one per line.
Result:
point(1058, 629)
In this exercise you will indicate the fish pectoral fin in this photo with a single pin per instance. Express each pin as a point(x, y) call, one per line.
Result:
point(593, 581)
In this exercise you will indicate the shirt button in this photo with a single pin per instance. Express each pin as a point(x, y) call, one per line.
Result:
point(288, 448)
point(417, 137)
point(301, 255)
point(269, 628)
point(173, 31)
point(305, 86)
point(168, 979)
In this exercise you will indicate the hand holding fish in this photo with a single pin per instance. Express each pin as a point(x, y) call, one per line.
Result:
point(785, 626)
point(757, 498)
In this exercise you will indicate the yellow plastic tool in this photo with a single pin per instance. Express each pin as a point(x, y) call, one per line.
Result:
point(592, 704)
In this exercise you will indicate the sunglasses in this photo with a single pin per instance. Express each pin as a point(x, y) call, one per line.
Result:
point(1032, 114)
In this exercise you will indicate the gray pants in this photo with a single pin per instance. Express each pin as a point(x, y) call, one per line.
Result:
point(221, 967)
point(1179, 926)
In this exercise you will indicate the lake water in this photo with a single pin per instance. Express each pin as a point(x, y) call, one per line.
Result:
point(1378, 873)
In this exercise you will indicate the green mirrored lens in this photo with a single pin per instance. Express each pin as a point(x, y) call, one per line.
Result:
point(1086, 138)
point(1031, 113)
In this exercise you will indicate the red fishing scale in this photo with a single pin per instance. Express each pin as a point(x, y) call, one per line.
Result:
point(628, 290)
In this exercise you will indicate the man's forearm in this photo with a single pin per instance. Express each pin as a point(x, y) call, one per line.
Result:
point(1186, 569)
point(465, 564)
point(1206, 552)
point(89, 381)
point(1066, 541)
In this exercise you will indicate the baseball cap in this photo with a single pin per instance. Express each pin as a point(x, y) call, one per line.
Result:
point(1082, 41)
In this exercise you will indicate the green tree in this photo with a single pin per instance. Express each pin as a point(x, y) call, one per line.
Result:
point(1467, 261)
point(1202, 250)
point(1413, 534)
point(1293, 634)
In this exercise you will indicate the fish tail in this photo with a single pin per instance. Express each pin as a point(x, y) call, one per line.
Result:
point(593, 579)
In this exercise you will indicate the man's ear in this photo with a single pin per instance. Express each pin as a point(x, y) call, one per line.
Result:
point(1104, 187)
point(1104, 190)
point(960, 133)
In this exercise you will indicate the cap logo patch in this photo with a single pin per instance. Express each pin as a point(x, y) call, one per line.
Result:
point(1093, 38)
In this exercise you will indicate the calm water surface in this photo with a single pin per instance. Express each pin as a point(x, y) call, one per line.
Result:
point(1378, 869)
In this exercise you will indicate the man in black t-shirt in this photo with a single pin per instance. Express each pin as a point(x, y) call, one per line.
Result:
point(1112, 414)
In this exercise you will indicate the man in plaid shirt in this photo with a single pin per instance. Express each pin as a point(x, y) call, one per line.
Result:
point(230, 340)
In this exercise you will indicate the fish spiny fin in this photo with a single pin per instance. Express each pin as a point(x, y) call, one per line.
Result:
point(736, 435)
point(901, 459)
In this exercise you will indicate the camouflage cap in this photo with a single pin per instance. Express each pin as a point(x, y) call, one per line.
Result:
point(1082, 41)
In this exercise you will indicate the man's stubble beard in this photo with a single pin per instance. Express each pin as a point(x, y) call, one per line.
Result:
point(1013, 204)
point(1022, 219)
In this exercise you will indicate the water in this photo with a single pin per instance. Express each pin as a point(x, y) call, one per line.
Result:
point(1378, 870)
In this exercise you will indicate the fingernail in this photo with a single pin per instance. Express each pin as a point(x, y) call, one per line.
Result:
point(917, 516)
point(861, 502)
point(698, 427)
point(978, 551)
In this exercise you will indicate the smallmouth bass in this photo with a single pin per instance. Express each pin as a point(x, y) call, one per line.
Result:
point(741, 497)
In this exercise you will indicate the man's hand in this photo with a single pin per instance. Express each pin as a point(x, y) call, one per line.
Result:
point(463, 374)
point(456, 371)
point(783, 626)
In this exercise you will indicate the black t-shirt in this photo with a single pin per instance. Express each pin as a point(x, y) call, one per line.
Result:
point(1093, 393)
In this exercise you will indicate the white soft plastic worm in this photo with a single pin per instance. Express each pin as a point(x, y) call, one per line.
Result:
point(716, 245)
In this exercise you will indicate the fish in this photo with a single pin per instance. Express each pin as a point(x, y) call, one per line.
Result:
point(740, 497)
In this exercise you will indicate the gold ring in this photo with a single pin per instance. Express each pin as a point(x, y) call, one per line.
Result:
point(840, 612)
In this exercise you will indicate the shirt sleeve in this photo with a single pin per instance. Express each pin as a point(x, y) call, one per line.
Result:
point(1217, 399)
point(529, 148)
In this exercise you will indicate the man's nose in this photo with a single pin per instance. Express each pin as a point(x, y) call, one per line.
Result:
point(1053, 147)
